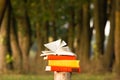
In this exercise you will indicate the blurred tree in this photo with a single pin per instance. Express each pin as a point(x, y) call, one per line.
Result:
point(53, 18)
point(24, 34)
point(108, 57)
point(79, 25)
point(100, 18)
point(38, 59)
point(16, 53)
point(2, 9)
point(85, 37)
point(45, 22)
point(71, 27)
point(117, 38)
point(4, 31)
point(42, 30)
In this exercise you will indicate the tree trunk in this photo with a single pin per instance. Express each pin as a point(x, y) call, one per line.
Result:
point(85, 38)
point(45, 32)
point(45, 23)
point(99, 25)
point(79, 28)
point(24, 41)
point(38, 59)
point(52, 12)
point(16, 53)
point(109, 50)
point(2, 9)
point(71, 27)
point(117, 37)
point(24, 34)
point(4, 38)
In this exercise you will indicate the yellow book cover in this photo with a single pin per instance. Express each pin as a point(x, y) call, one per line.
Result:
point(64, 63)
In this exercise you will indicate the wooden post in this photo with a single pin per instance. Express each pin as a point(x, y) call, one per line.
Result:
point(62, 75)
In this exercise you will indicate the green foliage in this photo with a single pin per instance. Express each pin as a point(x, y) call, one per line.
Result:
point(40, 11)
point(3, 40)
point(9, 58)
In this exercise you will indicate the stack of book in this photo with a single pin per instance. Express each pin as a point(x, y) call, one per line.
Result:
point(60, 57)
point(62, 63)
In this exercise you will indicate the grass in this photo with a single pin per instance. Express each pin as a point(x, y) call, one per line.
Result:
point(50, 77)
point(93, 77)
point(26, 77)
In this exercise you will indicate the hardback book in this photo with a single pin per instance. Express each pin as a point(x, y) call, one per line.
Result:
point(64, 63)
point(57, 57)
point(62, 69)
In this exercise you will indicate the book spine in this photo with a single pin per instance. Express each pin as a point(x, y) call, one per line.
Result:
point(62, 69)
point(53, 57)
point(65, 63)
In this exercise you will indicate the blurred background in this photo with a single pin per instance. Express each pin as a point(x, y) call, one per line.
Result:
point(91, 29)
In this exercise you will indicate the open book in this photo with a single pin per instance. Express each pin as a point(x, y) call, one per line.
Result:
point(57, 48)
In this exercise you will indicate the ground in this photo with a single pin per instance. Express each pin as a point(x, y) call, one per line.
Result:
point(75, 76)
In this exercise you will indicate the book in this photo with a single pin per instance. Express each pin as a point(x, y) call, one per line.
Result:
point(57, 47)
point(64, 63)
point(62, 69)
point(61, 51)
point(55, 57)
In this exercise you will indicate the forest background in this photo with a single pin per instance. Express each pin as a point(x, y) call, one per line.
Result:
point(26, 25)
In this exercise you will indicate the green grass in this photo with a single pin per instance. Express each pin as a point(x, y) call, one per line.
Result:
point(50, 77)
point(92, 77)
point(26, 77)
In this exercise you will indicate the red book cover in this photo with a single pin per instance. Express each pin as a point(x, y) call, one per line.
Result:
point(62, 69)
point(56, 57)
